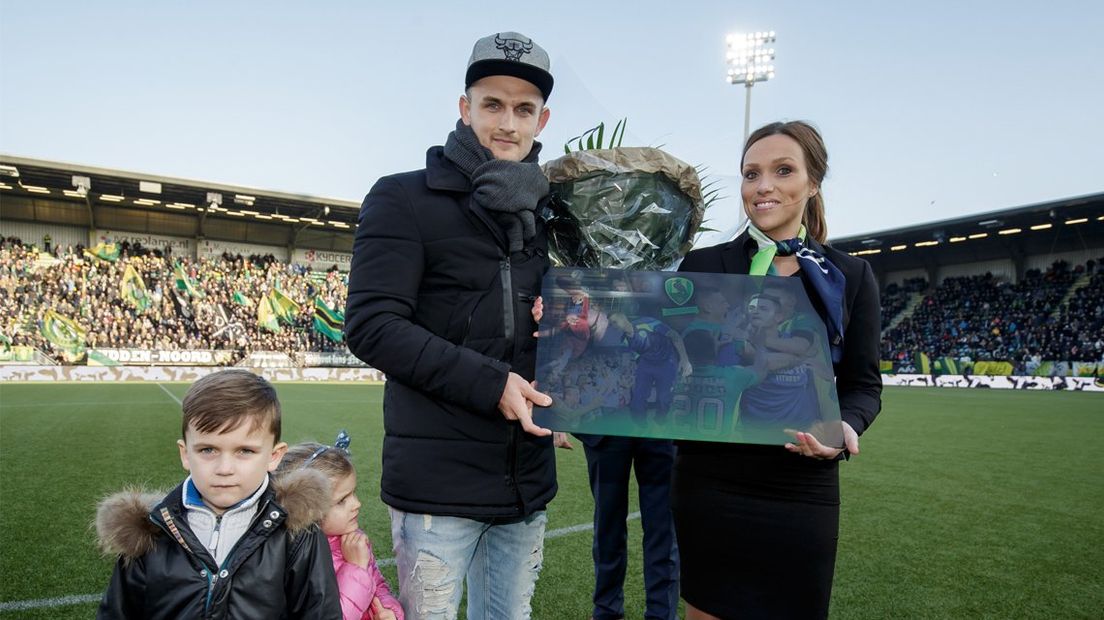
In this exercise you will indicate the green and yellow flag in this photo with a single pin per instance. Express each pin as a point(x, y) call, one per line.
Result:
point(285, 307)
point(922, 363)
point(1085, 369)
point(993, 369)
point(328, 321)
point(945, 366)
point(184, 283)
point(95, 358)
point(132, 289)
point(266, 316)
point(63, 332)
point(104, 251)
point(242, 300)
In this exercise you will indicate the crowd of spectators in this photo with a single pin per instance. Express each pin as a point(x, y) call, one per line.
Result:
point(222, 315)
point(895, 297)
point(970, 318)
point(981, 318)
point(1080, 321)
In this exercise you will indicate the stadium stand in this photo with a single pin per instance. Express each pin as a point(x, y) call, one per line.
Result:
point(118, 263)
point(1008, 292)
point(896, 298)
point(216, 305)
point(181, 304)
point(980, 318)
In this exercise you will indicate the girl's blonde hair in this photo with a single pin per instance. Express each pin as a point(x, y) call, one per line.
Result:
point(331, 461)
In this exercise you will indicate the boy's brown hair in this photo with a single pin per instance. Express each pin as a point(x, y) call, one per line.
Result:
point(222, 401)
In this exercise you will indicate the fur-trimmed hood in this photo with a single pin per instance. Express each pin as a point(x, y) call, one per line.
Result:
point(125, 523)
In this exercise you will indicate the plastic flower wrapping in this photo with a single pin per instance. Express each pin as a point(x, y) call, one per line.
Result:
point(622, 208)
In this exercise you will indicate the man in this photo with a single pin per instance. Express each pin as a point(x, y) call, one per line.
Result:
point(708, 338)
point(574, 332)
point(660, 357)
point(447, 262)
point(787, 396)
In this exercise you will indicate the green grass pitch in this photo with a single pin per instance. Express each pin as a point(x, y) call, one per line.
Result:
point(963, 503)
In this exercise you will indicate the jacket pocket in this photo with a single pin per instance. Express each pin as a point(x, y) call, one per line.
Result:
point(523, 304)
point(463, 304)
point(476, 317)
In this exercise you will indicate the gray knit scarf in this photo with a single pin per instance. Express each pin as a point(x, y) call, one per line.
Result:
point(510, 190)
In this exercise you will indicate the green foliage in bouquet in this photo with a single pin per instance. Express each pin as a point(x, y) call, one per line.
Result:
point(594, 135)
point(711, 193)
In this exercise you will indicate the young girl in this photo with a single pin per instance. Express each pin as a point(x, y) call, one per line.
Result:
point(364, 591)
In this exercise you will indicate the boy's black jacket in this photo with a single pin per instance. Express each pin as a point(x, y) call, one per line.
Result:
point(280, 568)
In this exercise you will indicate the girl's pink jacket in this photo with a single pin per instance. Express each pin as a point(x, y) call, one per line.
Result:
point(358, 586)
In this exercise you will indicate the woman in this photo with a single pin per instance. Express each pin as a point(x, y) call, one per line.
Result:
point(757, 524)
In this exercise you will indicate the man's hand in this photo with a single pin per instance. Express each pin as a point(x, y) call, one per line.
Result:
point(516, 403)
point(685, 369)
point(354, 546)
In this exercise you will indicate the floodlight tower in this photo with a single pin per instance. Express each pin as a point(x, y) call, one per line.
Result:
point(750, 60)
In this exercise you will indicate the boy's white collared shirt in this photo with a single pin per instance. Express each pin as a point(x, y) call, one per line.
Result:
point(219, 534)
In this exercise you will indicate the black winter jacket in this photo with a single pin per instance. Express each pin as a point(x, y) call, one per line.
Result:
point(280, 568)
point(438, 304)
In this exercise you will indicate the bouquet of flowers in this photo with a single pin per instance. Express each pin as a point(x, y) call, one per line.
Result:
point(624, 208)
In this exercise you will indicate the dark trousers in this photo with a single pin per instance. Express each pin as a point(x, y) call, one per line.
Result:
point(609, 460)
point(658, 375)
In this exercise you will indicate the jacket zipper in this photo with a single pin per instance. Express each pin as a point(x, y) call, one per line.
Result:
point(212, 575)
point(215, 534)
point(507, 303)
point(213, 578)
point(508, 324)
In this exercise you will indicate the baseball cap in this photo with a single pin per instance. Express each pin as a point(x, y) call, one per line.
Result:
point(512, 54)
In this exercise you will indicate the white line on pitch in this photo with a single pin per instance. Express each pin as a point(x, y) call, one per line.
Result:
point(171, 395)
point(62, 601)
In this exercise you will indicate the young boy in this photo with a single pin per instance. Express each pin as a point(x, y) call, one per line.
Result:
point(229, 542)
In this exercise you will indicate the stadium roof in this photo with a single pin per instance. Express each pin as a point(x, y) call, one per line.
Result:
point(48, 191)
point(74, 194)
point(1065, 225)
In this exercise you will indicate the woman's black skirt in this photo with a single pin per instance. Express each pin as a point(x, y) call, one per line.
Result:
point(757, 530)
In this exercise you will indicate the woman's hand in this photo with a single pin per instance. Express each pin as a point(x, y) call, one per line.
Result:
point(538, 312)
point(560, 440)
point(806, 444)
point(354, 546)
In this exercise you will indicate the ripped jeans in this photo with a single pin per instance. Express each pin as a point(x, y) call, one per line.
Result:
point(435, 555)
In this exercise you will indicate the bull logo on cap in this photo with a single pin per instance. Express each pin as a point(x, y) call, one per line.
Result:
point(513, 48)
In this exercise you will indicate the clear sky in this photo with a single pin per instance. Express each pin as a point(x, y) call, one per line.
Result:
point(930, 110)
